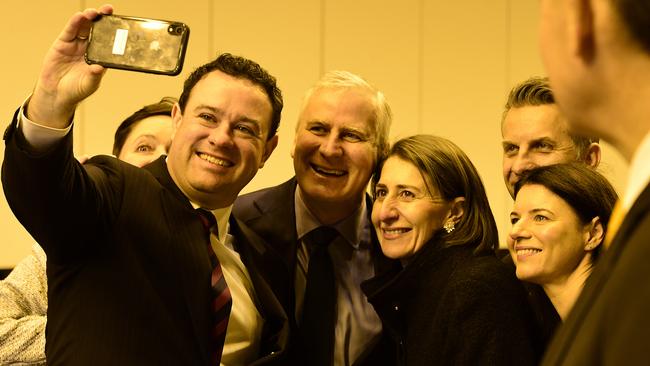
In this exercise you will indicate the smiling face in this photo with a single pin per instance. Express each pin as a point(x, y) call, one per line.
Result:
point(547, 241)
point(534, 136)
point(404, 214)
point(220, 140)
point(334, 152)
point(148, 139)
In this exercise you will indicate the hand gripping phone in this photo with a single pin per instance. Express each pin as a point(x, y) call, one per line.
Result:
point(138, 44)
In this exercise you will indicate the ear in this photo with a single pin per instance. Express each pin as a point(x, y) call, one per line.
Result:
point(592, 156)
point(594, 234)
point(583, 44)
point(177, 117)
point(269, 146)
point(456, 209)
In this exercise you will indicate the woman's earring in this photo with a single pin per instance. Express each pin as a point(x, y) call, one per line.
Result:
point(449, 226)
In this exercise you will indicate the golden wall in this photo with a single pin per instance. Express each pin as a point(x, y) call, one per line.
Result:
point(445, 67)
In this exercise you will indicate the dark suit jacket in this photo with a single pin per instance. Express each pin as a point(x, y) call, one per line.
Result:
point(128, 270)
point(610, 322)
point(450, 307)
point(271, 213)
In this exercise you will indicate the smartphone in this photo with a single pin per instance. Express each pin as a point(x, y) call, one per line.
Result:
point(138, 44)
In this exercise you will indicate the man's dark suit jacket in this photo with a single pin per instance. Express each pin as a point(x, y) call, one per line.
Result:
point(128, 269)
point(610, 322)
point(271, 214)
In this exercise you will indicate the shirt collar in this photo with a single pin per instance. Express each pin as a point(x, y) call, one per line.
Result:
point(639, 173)
point(351, 228)
point(222, 215)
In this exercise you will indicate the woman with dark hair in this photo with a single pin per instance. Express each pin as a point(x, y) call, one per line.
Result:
point(452, 302)
point(146, 134)
point(559, 221)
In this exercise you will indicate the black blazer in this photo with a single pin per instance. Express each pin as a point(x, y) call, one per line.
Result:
point(128, 270)
point(610, 322)
point(271, 213)
point(450, 307)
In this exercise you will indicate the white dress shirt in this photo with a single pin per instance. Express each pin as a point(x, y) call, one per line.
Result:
point(639, 173)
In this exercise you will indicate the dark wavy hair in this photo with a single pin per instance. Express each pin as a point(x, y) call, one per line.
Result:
point(242, 68)
point(588, 192)
point(162, 108)
point(447, 169)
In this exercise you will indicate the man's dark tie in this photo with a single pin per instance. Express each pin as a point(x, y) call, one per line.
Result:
point(221, 301)
point(319, 306)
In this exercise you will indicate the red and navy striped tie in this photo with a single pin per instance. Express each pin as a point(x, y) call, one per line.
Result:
point(221, 301)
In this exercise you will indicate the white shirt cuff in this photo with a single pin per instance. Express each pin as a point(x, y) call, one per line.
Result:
point(39, 137)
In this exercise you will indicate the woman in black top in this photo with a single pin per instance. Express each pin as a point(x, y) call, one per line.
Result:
point(452, 302)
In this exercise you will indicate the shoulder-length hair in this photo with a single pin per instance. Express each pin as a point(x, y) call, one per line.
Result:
point(447, 169)
point(588, 192)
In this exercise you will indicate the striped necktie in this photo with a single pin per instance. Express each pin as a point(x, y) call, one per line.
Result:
point(221, 301)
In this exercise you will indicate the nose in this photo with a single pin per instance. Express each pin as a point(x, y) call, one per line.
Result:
point(522, 163)
point(387, 210)
point(518, 232)
point(221, 135)
point(331, 146)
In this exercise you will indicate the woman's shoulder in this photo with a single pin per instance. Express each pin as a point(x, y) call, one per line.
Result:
point(485, 271)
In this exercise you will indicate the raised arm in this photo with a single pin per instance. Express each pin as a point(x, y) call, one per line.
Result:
point(65, 78)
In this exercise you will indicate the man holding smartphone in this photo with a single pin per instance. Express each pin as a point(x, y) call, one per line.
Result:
point(145, 266)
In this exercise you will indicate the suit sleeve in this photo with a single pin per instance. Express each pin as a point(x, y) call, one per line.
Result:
point(23, 308)
point(60, 202)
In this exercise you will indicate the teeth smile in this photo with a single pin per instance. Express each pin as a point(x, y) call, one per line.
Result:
point(211, 159)
point(395, 231)
point(337, 173)
point(528, 251)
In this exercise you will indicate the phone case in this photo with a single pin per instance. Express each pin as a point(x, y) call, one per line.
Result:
point(138, 44)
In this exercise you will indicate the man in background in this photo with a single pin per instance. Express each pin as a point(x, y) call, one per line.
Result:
point(341, 134)
point(597, 56)
point(535, 133)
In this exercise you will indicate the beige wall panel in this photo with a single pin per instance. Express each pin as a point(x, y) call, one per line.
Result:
point(379, 40)
point(284, 37)
point(464, 73)
point(28, 34)
point(523, 60)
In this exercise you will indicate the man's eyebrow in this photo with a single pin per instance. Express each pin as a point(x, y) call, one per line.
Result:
point(543, 139)
point(218, 111)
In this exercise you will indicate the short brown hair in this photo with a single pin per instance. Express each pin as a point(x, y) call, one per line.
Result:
point(243, 68)
point(635, 16)
point(536, 91)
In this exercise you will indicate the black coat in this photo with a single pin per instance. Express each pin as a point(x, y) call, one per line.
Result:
point(128, 269)
point(270, 212)
point(450, 307)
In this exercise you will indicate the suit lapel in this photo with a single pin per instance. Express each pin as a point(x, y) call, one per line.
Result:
point(276, 213)
point(260, 260)
point(191, 256)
